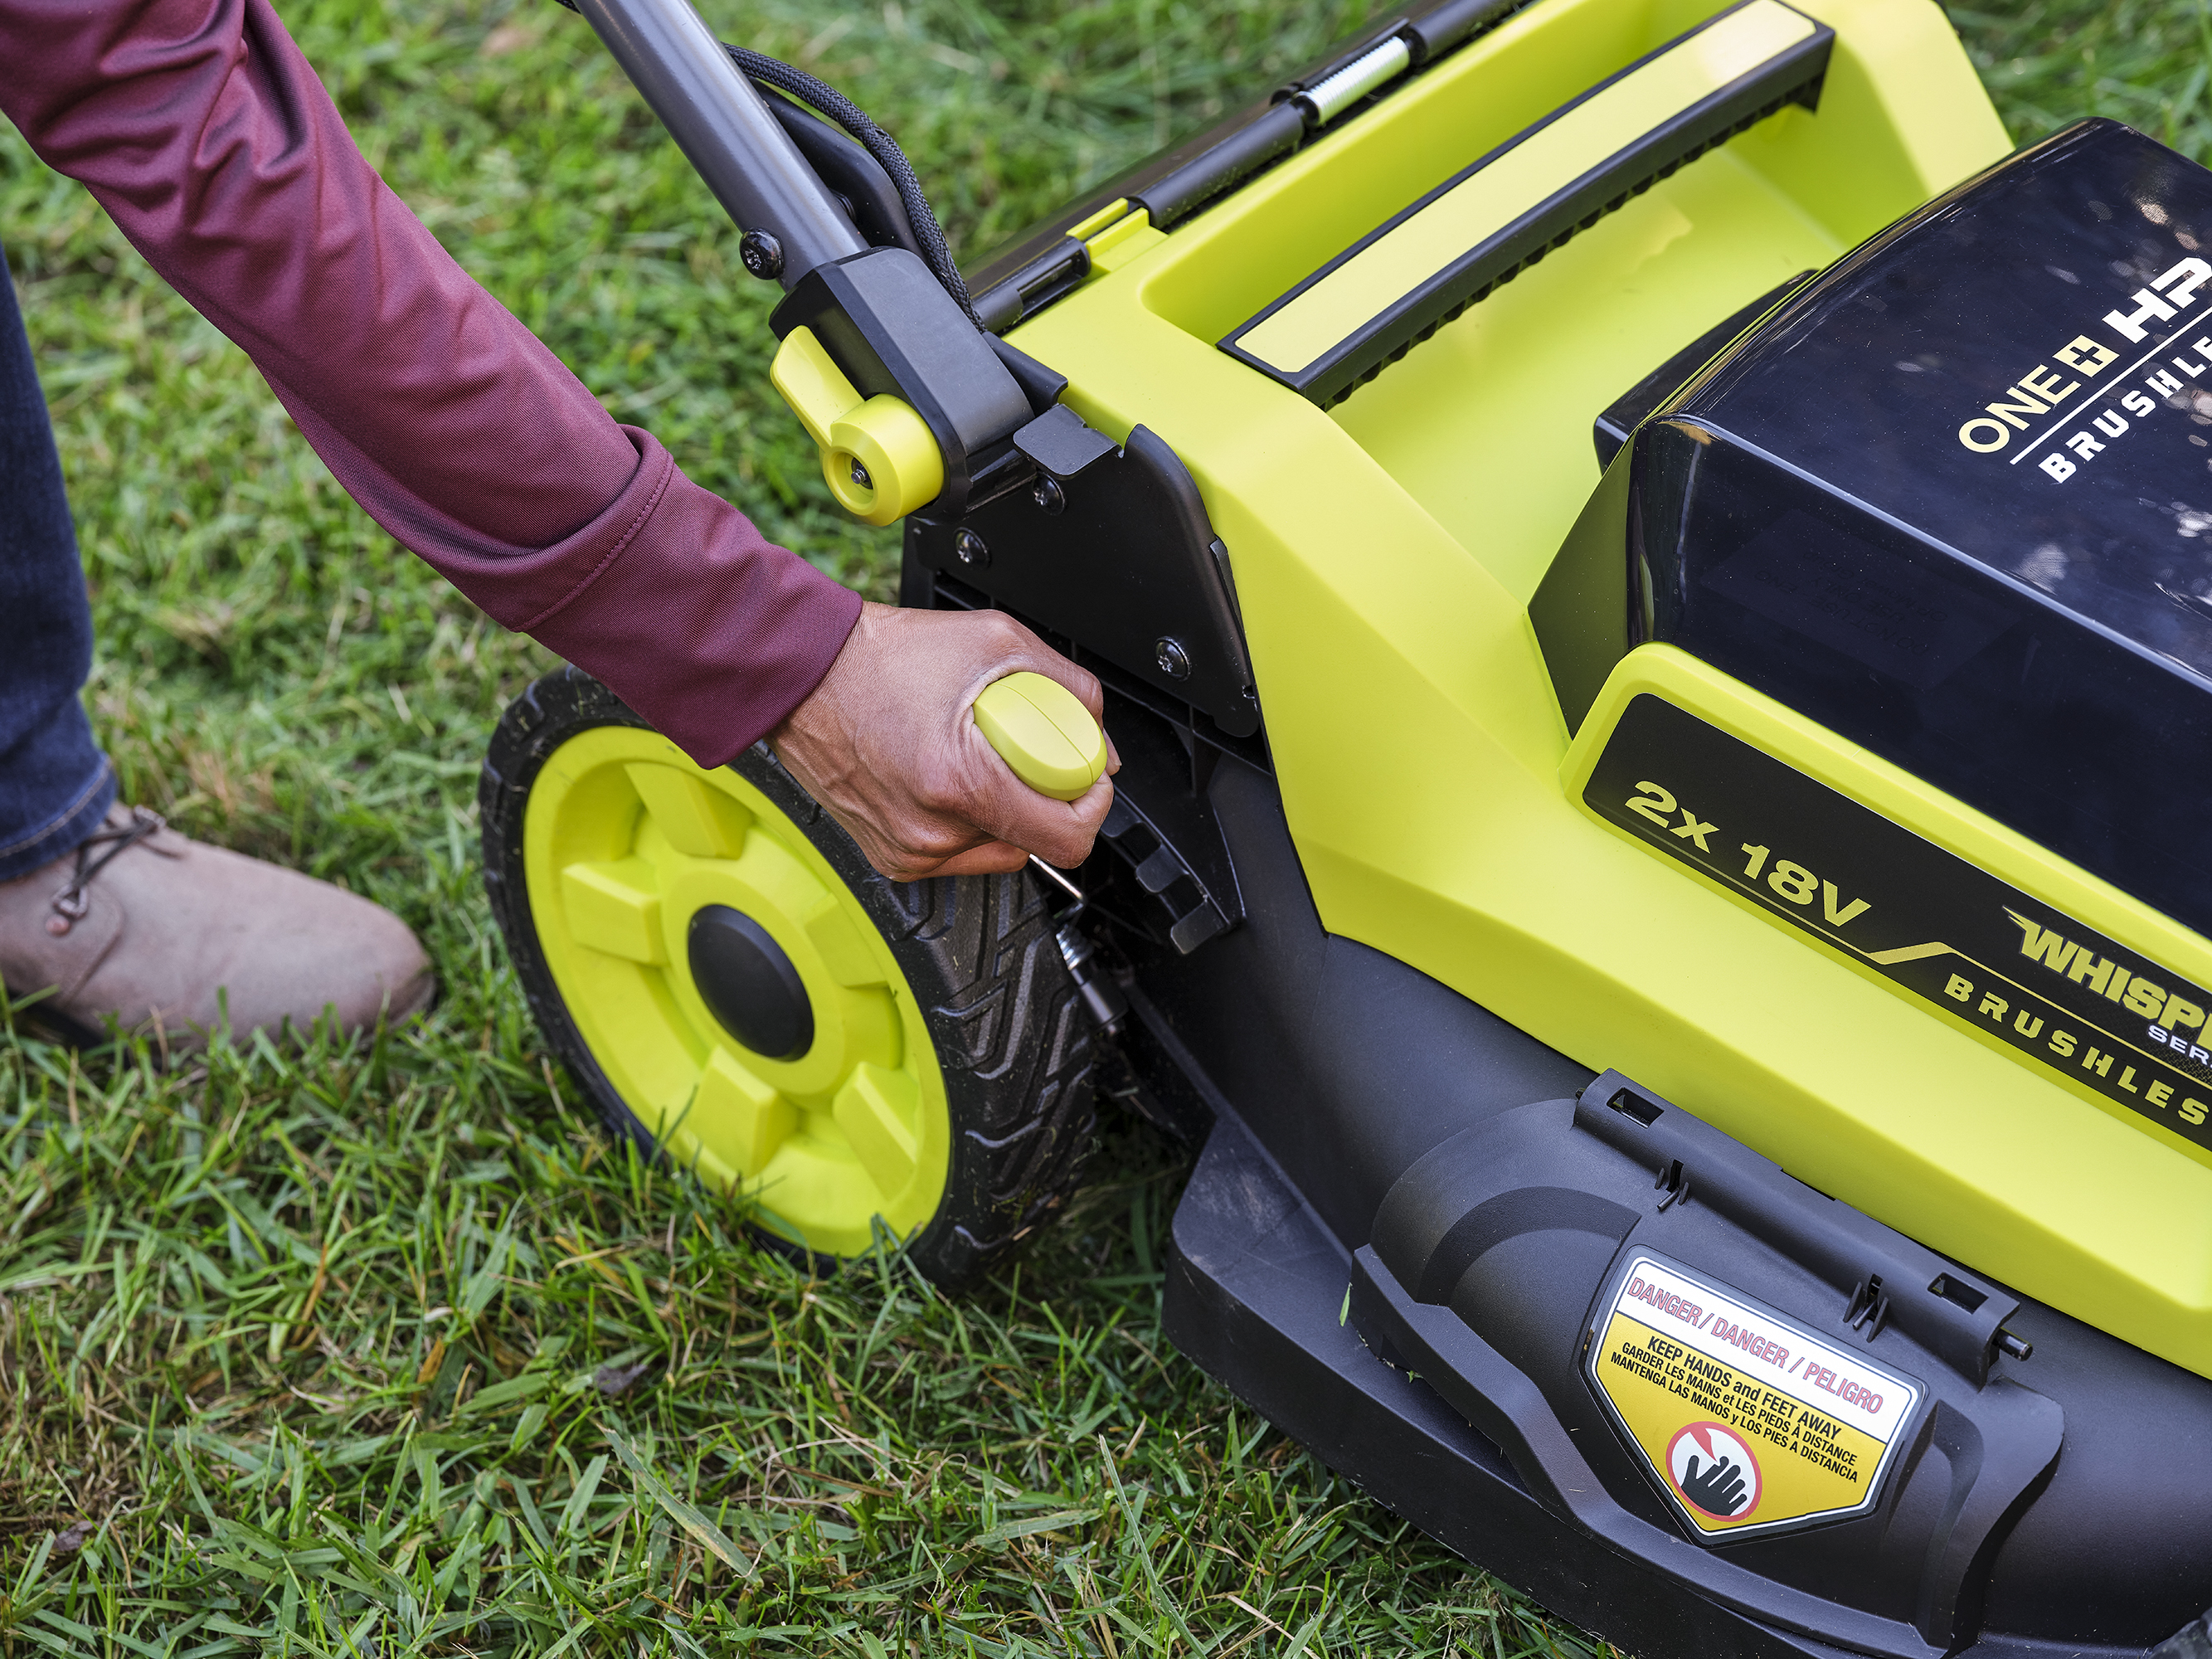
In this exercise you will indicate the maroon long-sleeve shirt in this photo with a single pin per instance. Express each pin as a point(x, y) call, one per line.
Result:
point(200, 127)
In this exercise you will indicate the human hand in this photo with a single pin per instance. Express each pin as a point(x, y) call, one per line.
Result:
point(886, 744)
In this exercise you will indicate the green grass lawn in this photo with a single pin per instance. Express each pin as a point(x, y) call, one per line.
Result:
point(387, 1350)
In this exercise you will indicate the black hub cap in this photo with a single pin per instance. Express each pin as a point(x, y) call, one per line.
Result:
point(749, 984)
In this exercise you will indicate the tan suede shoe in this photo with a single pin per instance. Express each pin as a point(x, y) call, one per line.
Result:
point(153, 931)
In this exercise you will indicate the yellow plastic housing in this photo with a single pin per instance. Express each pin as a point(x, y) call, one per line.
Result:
point(1043, 733)
point(1385, 551)
point(879, 457)
point(1387, 270)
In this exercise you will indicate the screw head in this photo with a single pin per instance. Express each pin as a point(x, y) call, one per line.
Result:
point(1171, 658)
point(1050, 498)
point(968, 548)
point(761, 254)
point(860, 478)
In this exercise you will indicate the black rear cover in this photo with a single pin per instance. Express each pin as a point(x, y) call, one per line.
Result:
point(1952, 501)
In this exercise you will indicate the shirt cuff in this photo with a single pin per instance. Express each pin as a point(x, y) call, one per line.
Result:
point(673, 601)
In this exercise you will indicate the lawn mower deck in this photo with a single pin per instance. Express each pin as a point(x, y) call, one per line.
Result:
point(1652, 599)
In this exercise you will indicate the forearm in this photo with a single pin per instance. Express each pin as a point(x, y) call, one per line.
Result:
point(201, 129)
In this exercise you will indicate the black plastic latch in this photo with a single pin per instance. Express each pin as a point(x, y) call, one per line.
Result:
point(1887, 1279)
point(1869, 1307)
point(1195, 913)
point(1060, 444)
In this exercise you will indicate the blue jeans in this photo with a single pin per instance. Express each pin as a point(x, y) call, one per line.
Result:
point(55, 783)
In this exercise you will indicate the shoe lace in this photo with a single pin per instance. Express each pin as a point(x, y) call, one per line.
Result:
point(94, 854)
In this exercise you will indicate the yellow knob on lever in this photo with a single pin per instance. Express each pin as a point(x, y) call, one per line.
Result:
point(879, 457)
point(1043, 732)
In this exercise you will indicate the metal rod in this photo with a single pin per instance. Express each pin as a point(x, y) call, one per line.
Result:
point(718, 120)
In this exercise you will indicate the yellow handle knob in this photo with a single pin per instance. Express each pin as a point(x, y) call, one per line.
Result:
point(1043, 732)
point(879, 457)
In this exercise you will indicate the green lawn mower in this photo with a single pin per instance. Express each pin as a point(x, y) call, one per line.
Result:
point(1655, 591)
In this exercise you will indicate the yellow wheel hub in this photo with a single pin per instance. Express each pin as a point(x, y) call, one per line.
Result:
point(663, 892)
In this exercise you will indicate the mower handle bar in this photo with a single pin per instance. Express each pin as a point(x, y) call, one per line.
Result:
point(719, 122)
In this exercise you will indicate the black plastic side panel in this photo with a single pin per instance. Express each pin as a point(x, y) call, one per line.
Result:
point(1329, 1071)
point(1584, 611)
point(1486, 1262)
point(1348, 1065)
point(1118, 555)
point(1254, 1287)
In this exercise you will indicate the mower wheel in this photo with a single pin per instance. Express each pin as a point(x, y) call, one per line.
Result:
point(727, 981)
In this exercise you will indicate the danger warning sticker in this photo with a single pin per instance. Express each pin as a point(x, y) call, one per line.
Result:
point(1750, 1421)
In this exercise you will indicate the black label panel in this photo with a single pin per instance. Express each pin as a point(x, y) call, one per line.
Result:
point(2066, 998)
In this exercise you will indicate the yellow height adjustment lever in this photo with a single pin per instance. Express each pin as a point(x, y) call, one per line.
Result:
point(878, 455)
point(1043, 733)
